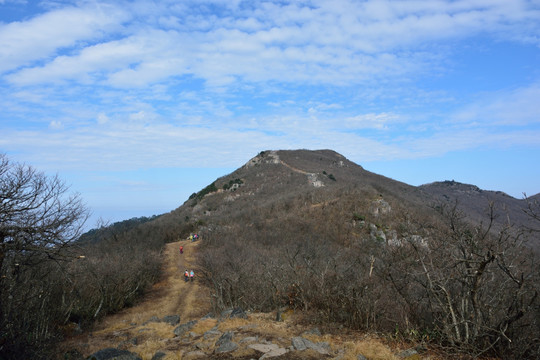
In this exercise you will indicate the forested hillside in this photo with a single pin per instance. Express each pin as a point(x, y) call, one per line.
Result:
point(313, 231)
point(303, 230)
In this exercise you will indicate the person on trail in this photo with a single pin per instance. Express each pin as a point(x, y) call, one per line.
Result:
point(181, 249)
point(186, 276)
point(191, 275)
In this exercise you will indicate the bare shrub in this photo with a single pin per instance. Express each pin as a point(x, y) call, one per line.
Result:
point(432, 276)
point(467, 286)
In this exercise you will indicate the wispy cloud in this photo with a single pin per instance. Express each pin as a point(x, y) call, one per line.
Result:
point(328, 43)
point(136, 84)
point(515, 107)
point(41, 38)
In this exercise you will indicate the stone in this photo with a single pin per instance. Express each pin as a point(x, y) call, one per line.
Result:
point(113, 354)
point(202, 346)
point(309, 344)
point(406, 353)
point(274, 353)
point(321, 349)
point(226, 347)
point(225, 344)
point(226, 337)
point(325, 345)
point(380, 207)
point(212, 334)
point(197, 354)
point(210, 315)
point(314, 331)
point(249, 339)
point(152, 319)
point(238, 313)
point(264, 348)
point(158, 355)
point(298, 343)
point(172, 319)
point(182, 329)
point(73, 355)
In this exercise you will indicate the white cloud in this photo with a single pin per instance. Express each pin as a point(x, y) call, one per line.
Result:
point(56, 124)
point(42, 36)
point(517, 107)
point(102, 118)
point(370, 121)
point(120, 62)
point(328, 43)
point(449, 141)
point(242, 52)
point(132, 144)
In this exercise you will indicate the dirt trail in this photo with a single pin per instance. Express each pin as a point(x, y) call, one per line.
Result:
point(133, 329)
point(295, 169)
point(171, 296)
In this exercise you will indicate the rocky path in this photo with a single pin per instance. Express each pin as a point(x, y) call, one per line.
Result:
point(145, 326)
point(170, 296)
point(174, 322)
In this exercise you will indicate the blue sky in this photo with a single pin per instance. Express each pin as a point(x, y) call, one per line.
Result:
point(138, 104)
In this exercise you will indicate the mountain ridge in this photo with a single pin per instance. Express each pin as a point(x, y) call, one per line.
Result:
point(322, 169)
point(309, 230)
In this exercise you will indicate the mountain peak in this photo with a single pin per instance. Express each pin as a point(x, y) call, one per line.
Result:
point(311, 159)
point(453, 185)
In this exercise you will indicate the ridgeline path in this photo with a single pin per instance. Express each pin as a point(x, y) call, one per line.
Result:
point(170, 296)
point(140, 329)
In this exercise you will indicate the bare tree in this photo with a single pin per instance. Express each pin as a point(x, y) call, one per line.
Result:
point(36, 216)
point(473, 288)
point(39, 220)
point(533, 212)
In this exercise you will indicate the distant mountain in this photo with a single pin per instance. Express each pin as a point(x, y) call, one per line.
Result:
point(288, 183)
point(475, 204)
point(96, 235)
point(295, 181)
point(274, 176)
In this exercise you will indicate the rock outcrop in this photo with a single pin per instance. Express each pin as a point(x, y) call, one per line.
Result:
point(246, 341)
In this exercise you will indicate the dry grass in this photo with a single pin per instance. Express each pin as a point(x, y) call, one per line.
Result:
point(203, 326)
point(234, 323)
point(172, 295)
point(148, 348)
point(158, 330)
point(275, 330)
point(173, 356)
point(244, 353)
point(372, 349)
